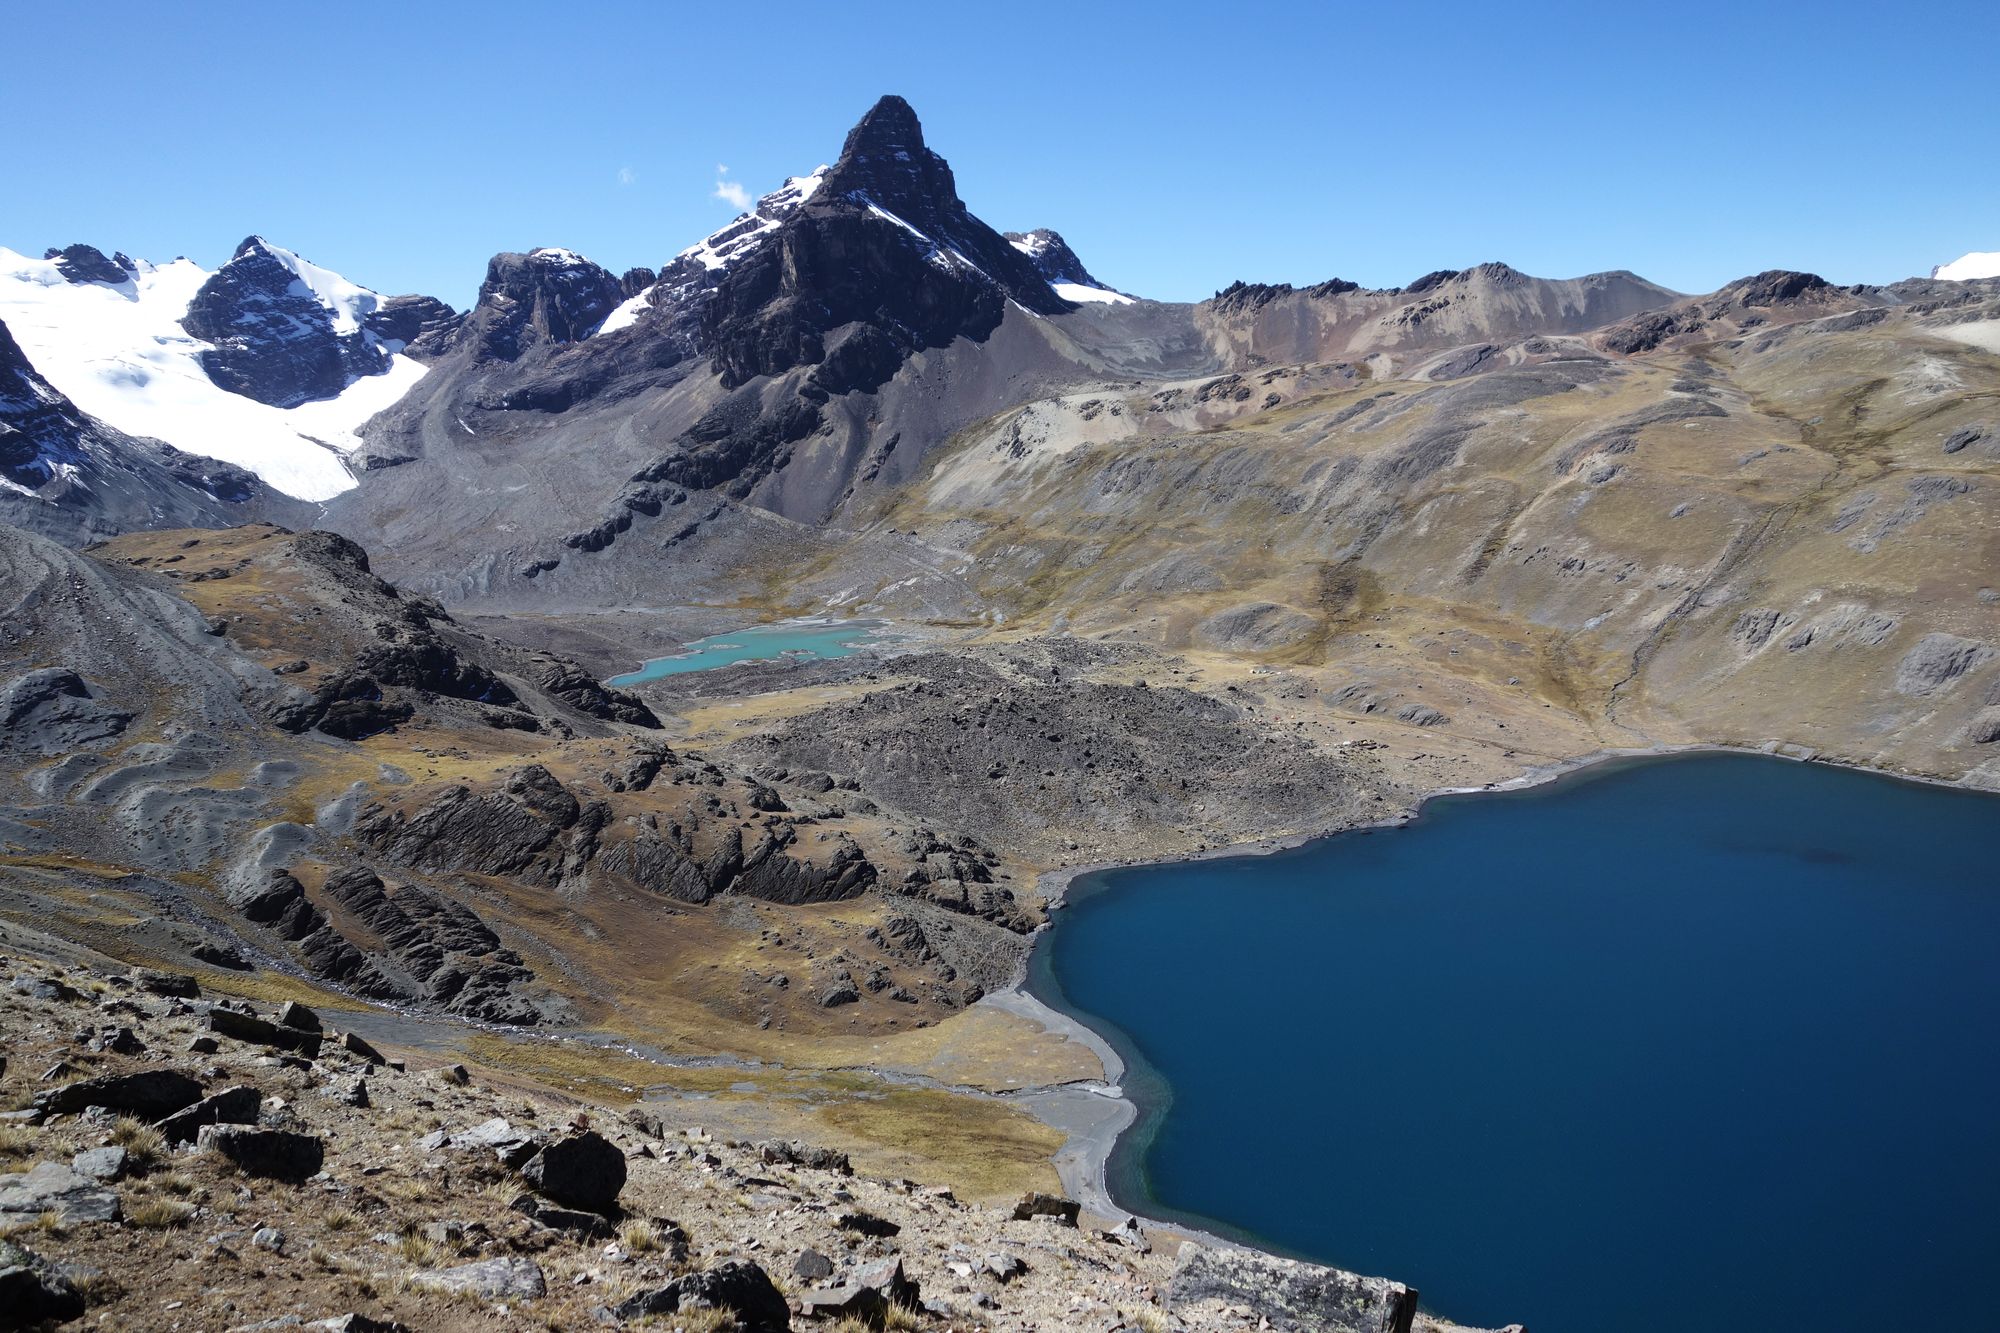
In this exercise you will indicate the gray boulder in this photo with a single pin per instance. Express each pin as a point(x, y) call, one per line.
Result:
point(105, 1164)
point(51, 1187)
point(494, 1279)
point(1304, 1298)
point(866, 1295)
point(236, 1024)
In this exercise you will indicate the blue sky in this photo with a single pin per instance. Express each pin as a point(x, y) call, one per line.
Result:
point(1178, 146)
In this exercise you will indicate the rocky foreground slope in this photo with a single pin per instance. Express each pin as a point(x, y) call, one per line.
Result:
point(173, 1162)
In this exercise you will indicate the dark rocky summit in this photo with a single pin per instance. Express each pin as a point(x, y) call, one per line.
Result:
point(547, 296)
point(87, 263)
point(275, 339)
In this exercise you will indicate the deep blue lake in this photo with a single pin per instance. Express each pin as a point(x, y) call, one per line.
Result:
point(1707, 1042)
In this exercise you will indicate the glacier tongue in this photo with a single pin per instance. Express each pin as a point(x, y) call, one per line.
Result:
point(120, 354)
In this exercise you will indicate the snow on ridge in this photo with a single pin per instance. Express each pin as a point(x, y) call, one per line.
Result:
point(1030, 245)
point(1978, 264)
point(349, 302)
point(721, 248)
point(1076, 291)
point(120, 354)
point(627, 312)
point(558, 255)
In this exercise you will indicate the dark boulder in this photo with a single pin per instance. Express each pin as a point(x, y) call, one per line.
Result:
point(584, 1170)
point(275, 1153)
point(737, 1285)
point(231, 1106)
point(1035, 1205)
point(32, 1292)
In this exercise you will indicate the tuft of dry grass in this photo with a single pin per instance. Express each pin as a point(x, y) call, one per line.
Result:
point(341, 1219)
point(142, 1143)
point(419, 1249)
point(1150, 1319)
point(17, 1140)
point(639, 1237)
point(902, 1317)
point(158, 1213)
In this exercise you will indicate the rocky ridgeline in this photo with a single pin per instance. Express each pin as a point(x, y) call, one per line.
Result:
point(182, 1162)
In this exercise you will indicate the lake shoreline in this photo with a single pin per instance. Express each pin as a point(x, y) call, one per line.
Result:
point(1083, 1164)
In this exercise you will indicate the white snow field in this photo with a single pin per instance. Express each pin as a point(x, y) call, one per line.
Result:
point(120, 354)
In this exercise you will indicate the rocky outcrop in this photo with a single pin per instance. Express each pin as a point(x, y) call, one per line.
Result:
point(1293, 1297)
point(496, 833)
point(87, 263)
point(419, 324)
point(547, 296)
point(1051, 256)
point(582, 691)
point(52, 711)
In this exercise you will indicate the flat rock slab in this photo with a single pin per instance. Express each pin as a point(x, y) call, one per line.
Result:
point(239, 1026)
point(1293, 1296)
point(54, 1188)
point(277, 1153)
point(495, 1279)
point(150, 1094)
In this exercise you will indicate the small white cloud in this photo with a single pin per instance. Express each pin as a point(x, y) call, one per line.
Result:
point(626, 175)
point(728, 191)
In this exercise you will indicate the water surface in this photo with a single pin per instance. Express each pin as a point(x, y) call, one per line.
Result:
point(1709, 1042)
point(786, 638)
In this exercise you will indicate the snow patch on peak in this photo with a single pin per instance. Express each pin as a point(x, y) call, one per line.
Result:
point(350, 302)
point(1031, 245)
point(557, 255)
point(1978, 264)
point(722, 248)
point(1076, 291)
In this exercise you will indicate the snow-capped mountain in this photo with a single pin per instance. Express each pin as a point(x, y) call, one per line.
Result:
point(1065, 273)
point(270, 363)
point(1978, 264)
